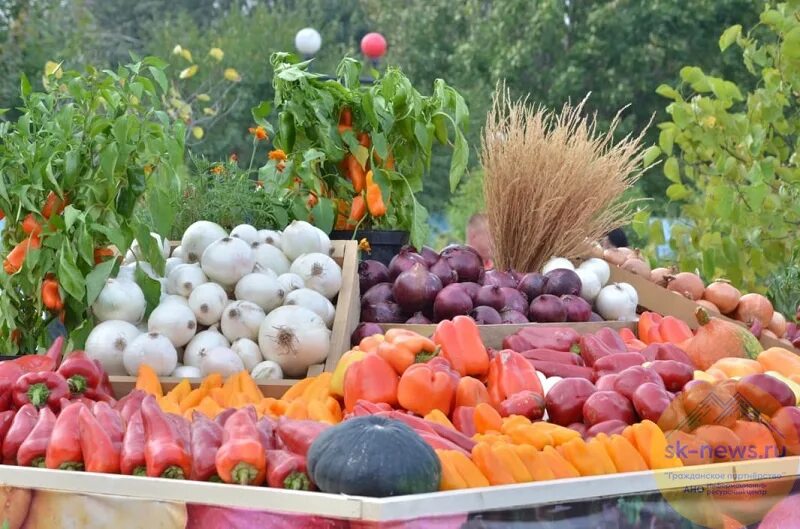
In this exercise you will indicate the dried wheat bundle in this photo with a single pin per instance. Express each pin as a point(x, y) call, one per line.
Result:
point(552, 183)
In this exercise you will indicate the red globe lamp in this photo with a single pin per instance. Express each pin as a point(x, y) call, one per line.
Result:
point(373, 46)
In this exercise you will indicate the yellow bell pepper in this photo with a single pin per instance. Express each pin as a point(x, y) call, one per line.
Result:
point(347, 359)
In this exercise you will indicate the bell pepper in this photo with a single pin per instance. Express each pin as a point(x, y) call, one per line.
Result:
point(781, 360)
point(80, 372)
point(22, 425)
point(132, 459)
point(582, 457)
point(402, 348)
point(598, 447)
point(6, 418)
point(110, 420)
point(534, 462)
point(266, 429)
point(166, 450)
point(491, 465)
point(464, 420)
point(436, 416)
point(461, 344)
point(369, 344)
point(40, 389)
point(625, 456)
point(487, 419)
point(372, 379)
point(10, 371)
point(452, 435)
point(423, 388)
point(347, 359)
point(510, 373)
point(206, 440)
point(128, 405)
point(64, 451)
point(512, 461)
point(459, 472)
point(298, 435)
point(612, 339)
point(555, 338)
point(652, 444)
point(673, 330)
point(6, 395)
point(632, 343)
point(287, 471)
point(470, 392)
point(241, 459)
point(33, 450)
point(13, 369)
point(101, 446)
point(529, 435)
point(223, 416)
point(319, 389)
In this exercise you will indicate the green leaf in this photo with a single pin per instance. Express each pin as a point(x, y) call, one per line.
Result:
point(668, 92)
point(671, 170)
point(459, 162)
point(161, 211)
point(68, 274)
point(261, 111)
point(379, 143)
point(150, 288)
point(159, 77)
point(640, 222)
point(677, 192)
point(96, 280)
point(419, 225)
point(729, 37)
point(651, 155)
point(71, 214)
point(665, 140)
point(24, 85)
point(324, 214)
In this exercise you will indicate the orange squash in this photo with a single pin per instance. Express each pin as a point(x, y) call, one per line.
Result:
point(716, 339)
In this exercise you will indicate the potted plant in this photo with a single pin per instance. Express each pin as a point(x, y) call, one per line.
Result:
point(352, 156)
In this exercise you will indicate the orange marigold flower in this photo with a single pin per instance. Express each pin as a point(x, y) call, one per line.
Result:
point(259, 132)
point(217, 169)
point(277, 155)
point(364, 246)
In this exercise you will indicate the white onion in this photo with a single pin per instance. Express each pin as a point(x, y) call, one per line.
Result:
point(614, 303)
point(127, 272)
point(295, 338)
point(291, 282)
point(320, 273)
point(314, 301)
point(549, 383)
point(300, 238)
point(599, 267)
point(631, 290)
point(248, 351)
point(145, 267)
point(223, 361)
point(120, 300)
point(557, 262)
point(107, 343)
point(261, 289)
point(270, 257)
point(245, 232)
point(198, 237)
point(324, 242)
point(270, 237)
point(242, 319)
point(202, 343)
point(152, 349)
point(590, 285)
point(207, 301)
point(267, 370)
point(228, 260)
point(185, 278)
point(171, 264)
point(173, 298)
point(177, 253)
point(176, 321)
point(187, 372)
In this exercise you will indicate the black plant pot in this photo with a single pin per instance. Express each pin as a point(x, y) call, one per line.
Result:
point(385, 244)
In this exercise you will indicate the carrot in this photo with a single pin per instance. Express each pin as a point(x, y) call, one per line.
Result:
point(14, 260)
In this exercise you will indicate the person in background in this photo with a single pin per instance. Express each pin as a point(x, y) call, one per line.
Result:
point(616, 238)
point(479, 238)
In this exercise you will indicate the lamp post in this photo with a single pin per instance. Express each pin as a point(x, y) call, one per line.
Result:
point(308, 42)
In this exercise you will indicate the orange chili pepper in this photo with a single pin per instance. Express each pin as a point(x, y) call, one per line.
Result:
point(51, 297)
point(31, 226)
point(13, 261)
point(54, 205)
point(101, 254)
point(487, 419)
point(241, 459)
point(358, 210)
point(374, 198)
point(363, 139)
point(355, 173)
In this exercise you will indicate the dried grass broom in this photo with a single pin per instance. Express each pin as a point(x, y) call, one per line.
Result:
point(552, 183)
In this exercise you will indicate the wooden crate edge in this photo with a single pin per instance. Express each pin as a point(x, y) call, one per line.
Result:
point(347, 306)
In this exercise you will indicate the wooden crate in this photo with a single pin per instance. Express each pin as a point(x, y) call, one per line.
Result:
point(345, 253)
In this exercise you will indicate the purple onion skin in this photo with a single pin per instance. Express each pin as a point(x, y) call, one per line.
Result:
point(562, 282)
point(444, 271)
point(484, 315)
point(512, 317)
point(370, 273)
point(451, 301)
point(380, 293)
point(490, 296)
point(578, 309)
point(362, 331)
point(515, 300)
point(547, 309)
point(493, 277)
point(419, 319)
point(471, 289)
point(596, 317)
point(415, 289)
point(387, 312)
point(466, 262)
point(429, 255)
point(403, 261)
point(516, 275)
point(532, 285)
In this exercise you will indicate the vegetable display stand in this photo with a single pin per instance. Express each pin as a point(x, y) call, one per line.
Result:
point(345, 253)
point(35, 497)
point(384, 244)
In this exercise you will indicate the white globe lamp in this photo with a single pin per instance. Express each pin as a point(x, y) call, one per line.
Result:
point(308, 41)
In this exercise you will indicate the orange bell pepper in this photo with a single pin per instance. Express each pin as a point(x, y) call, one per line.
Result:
point(559, 434)
point(212, 381)
point(598, 448)
point(735, 367)
point(461, 344)
point(424, 388)
point(250, 389)
point(491, 465)
point(652, 445)
point(209, 407)
point(648, 327)
point(180, 392)
point(347, 359)
point(487, 419)
point(370, 343)
point(402, 348)
point(272, 407)
point(372, 379)
point(297, 409)
point(319, 390)
point(582, 457)
point(528, 435)
point(193, 399)
point(673, 330)
point(624, 455)
point(631, 340)
point(510, 373)
point(471, 392)
point(297, 390)
point(513, 422)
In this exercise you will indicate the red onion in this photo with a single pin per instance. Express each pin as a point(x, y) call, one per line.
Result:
point(484, 315)
point(512, 317)
point(380, 293)
point(429, 255)
point(532, 285)
point(547, 308)
point(490, 296)
point(419, 318)
point(415, 289)
point(465, 261)
point(370, 273)
point(363, 330)
point(472, 289)
point(596, 317)
point(578, 309)
point(561, 282)
point(386, 312)
point(498, 278)
point(451, 301)
point(515, 300)
point(403, 261)
point(516, 275)
point(444, 272)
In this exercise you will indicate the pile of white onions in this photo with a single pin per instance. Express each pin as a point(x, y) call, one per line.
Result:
point(255, 300)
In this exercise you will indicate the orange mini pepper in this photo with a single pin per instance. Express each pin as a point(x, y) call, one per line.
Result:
point(487, 419)
point(425, 387)
point(16, 257)
point(560, 467)
point(439, 417)
point(509, 374)
point(491, 465)
point(54, 205)
point(372, 379)
point(459, 472)
point(402, 348)
point(51, 296)
point(357, 210)
point(582, 457)
point(355, 173)
point(375, 203)
point(461, 344)
point(506, 453)
point(625, 456)
point(31, 226)
point(534, 461)
point(347, 359)
point(471, 392)
point(147, 381)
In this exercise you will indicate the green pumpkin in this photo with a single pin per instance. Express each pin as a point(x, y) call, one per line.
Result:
point(373, 456)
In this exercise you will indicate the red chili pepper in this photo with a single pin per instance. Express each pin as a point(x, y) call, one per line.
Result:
point(100, 451)
point(105, 383)
point(22, 425)
point(80, 371)
point(167, 453)
point(241, 458)
point(95, 395)
point(132, 460)
point(110, 420)
point(224, 415)
point(33, 450)
point(206, 440)
point(266, 428)
point(287, 471)
point(64, 451)
point(6, 418)
point(128, 405)
point(40, 389)
point(297, 435)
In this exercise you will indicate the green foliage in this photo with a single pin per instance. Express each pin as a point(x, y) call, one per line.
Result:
point(100, 140)
point(465, 202)
point(730, 156)
point(784, 289)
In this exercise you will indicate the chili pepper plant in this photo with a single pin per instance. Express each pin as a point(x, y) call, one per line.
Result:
point(83, 154)
point(351, 155)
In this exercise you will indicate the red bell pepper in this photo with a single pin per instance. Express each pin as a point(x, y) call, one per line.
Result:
point(184, 429)
point(6, 394)
point(40, 389)
point(593, 349)
point(298, 435)
point(287, 471)
point(461, 344)
point(6, 418)
point(266, 428)
point(96, 395)
point(132, 460)
point(241, 457)
point(556, 338)
point(104, 386)
point(33, 450)
point(372, 379)
point(510, 373)
point(167, 454)
point(206, 440)
point(22, 425)
point(64, 451)
point(128, 405)
point(110, 420)
point(10, 371)
point(612, 340)
point(424, 388)
point(101, 452)
point(464, 420)
point(37, 363)
point(80, 372)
